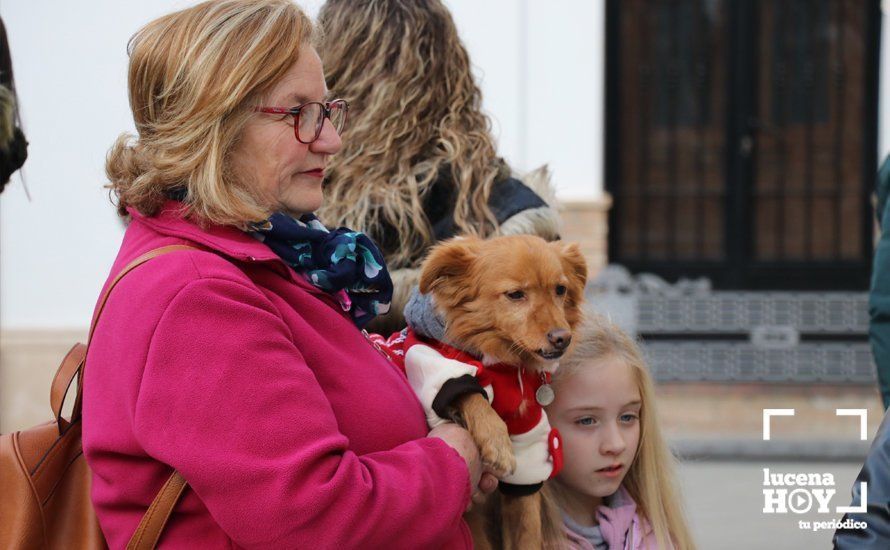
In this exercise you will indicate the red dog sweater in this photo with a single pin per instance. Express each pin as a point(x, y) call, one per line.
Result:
point(440, 373)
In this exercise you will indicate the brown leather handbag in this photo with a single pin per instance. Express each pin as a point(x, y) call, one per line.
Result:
point(44, 478)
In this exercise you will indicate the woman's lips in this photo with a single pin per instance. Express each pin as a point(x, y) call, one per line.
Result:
point(317, 173)
point(611, 471)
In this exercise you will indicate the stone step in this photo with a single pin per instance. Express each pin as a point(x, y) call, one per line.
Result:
point(725, 421)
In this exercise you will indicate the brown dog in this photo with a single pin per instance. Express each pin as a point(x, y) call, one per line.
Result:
point(511, 303)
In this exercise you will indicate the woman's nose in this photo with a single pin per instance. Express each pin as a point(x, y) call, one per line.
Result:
point(328, 141)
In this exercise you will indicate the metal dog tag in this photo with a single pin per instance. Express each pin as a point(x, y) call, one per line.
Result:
point(545, 395)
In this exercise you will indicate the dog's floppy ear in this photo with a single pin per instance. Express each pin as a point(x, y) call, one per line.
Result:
point(574, 264)
point(448, 261)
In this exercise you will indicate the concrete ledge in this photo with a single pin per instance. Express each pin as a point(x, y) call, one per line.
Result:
point(734, 450)
point(28, 362)
point(722, 411)
point(703, 421)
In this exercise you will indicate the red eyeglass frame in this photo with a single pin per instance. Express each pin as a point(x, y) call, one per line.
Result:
point(326, 108)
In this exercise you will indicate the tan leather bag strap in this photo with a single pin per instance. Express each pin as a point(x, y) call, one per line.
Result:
point(130, 267)
point(73, 364)
point(155, 518)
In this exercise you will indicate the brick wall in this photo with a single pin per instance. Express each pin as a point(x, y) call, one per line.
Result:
point(586, 223)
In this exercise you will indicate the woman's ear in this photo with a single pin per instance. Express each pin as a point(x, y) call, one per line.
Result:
point(448, 264)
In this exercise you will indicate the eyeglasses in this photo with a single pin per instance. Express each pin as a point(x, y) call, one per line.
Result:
point(309, 117)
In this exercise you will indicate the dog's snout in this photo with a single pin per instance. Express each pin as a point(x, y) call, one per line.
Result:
point(559, 338)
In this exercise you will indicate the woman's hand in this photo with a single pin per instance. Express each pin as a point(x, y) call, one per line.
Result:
point(482, 480)
point(461, 441)
point(487, 485)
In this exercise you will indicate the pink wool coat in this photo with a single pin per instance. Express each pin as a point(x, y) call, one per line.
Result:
point(290, 428)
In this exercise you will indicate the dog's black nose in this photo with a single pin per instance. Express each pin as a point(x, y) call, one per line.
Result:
point(559, 338)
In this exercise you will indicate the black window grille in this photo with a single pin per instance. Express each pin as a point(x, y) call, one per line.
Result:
point(741, 139)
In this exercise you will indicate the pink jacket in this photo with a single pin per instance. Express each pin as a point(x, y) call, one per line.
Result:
point(290, 428)
point(621, 526)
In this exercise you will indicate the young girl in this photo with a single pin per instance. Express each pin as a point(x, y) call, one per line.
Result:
point(616, 490)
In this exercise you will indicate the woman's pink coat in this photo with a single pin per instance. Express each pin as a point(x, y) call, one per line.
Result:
point(290, 428)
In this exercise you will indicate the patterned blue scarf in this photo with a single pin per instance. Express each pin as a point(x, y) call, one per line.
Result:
point(343, 262)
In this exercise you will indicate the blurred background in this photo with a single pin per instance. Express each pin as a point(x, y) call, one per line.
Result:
point(720, 156)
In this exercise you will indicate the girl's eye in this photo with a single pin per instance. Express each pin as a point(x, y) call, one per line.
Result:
point(516, 295)
point(585, 421)
point(560, 290)
point(628, 418)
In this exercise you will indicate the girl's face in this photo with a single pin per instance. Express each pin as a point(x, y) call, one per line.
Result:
point(597, 412)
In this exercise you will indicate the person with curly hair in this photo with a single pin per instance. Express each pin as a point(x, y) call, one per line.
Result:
point(418, 163)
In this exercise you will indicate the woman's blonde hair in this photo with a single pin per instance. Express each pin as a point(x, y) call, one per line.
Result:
point(415, 116)
point(194, 79)
point(650, 480)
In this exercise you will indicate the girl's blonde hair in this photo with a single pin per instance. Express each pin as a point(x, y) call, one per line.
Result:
point(651, 478)
point(415, 116)
point(194, 79)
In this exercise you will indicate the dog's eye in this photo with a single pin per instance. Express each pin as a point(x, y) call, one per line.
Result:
point(516, 295)
point(560, 290)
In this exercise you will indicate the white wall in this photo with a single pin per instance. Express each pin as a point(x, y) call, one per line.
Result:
point(69, 61)
point(541, 65)
point(531, 57)
point(564, 113)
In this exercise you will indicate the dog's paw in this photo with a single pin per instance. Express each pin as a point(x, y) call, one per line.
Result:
point(489, 432)
point(497, 450)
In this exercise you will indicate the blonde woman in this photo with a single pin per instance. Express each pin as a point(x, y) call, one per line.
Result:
point(419, 164)
point(617, 489)
point(240, 362)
